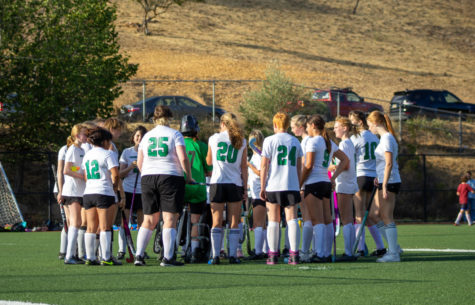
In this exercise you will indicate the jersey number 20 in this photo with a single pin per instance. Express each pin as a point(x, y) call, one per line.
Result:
point(226, 153)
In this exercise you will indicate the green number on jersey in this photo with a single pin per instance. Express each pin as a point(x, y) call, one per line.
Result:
point(158, 147)
point(282, 157)
point(326, 159)
point(369, 150)
point(92, 170)
point(191, 156)
point(226, 153)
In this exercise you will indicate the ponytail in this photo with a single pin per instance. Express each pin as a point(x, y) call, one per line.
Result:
point(379, 118)
point(361, 117)
point(69, 141)
point(234, 130)
point(319, 123)
point(389, 125)
point(328, 143)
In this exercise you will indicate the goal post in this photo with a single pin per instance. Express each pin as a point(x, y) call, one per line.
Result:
point(9, 210)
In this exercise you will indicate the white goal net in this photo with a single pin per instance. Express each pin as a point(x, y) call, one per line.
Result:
point(9, 210)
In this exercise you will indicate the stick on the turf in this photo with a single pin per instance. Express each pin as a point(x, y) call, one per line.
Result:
point(252, 144)
point(332, 207)
point(61, 207)
point(362, 227)
point(248, 234)
point(128, 238)
point(133, 196)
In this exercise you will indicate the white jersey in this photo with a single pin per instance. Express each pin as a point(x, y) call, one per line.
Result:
point(226, 159)
point(115, 151)
point(346, 181)
point(365, 145)
point(321, 159)
point(158, 147)
point(61, 157)
point(97, 164)
point(86, 147)
point(254, 181)
point(128, 156)
point(387, 144)
point(304, 151)
point(74, 187)
point(283, 151)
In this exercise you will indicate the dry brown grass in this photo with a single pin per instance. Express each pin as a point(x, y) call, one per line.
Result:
point(388, 46)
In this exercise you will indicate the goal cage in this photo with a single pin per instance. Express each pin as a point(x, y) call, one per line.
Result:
point(9, 210)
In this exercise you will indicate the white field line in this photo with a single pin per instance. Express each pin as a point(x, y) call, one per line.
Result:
point(19, 303)
point(440, 250)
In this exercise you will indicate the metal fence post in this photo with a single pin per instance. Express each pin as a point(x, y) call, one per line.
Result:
point(400, 121)
point(424, 191)
point(214, 101)
point(460, 131)
point(143, 100)
point(337, 104)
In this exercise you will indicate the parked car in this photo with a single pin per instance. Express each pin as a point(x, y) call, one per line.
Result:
point(349, 101)
point(427, 102)
point(179, 105)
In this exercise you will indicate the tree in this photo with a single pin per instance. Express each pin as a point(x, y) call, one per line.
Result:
point(278, 93)
point(60, 64)
point(154, 8)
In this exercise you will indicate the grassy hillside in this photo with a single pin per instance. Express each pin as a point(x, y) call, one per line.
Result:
point(388, 45)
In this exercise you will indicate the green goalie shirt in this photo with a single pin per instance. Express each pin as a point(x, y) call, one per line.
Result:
point(196, 151)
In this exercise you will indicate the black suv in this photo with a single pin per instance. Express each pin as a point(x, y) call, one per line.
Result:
point(428, 103)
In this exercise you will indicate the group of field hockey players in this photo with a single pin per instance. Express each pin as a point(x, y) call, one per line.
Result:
point(167, 170)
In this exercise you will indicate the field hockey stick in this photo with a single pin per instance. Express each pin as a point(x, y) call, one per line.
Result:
point(61, 207)
point(248, 231)
point(181, 223)
point(334, 223)
point(133, 197)
point(188, 237)
point(362, 227)
point(157, 241)
point(252, 144)
point(336, 219)
point(128, 238)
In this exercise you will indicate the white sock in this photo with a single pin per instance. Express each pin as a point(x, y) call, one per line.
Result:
point(347, 238)
point(391, 233)
point(378, 240)
point(90, 241)
point(81, 243)
point(195, 244)
point(319, 239)
point(273, 229)
point(72, 242)
point(168, 237)
point(294, 235)
point(287, 242)
point(307, 235)
point(382, 231)
point(64, 242)
point(328, 243)
point(459, 217)
point(233, 242)
point(216, 235)
point(265, 245)
point(105, 244)
point(258, 240)
point(143, 237)
point(469, 220)
point(223, 237)
point(122, 240)
point(362, 239)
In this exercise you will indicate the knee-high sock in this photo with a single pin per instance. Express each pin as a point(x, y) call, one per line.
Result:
point(329, 235)
point(294, 234)
point(307, 236)
point(143, 237)
point(361, 244)
point(122, 240)
point(72, 242)
point(258, 240)
point(223, 236)
point(168, 236)
point(287, 242)
point(391, 233)
point(64, 242)
point(81, 243)
point(459, 217)
point(273, 229)
point(216, 236)
point(349, 236)
point(265, 246)
point(469, 220)
point(105, 244)
point(378, 240)
point(381, 229)
point(90, 241)
point(233, 242)
point(319, 239)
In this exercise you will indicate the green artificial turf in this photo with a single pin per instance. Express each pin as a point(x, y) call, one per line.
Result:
point(31, 271)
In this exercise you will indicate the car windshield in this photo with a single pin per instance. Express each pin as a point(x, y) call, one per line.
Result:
point(186, 102)
point(450, 98)
point(352, 97)
point(321, 95)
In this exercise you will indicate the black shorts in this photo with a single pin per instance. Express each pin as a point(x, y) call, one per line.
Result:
point(392, 187)
point(258, 202)
point(68, 200)
point(320, 189)
point(137, 201)
point(98, 201)
point(365, 183)
point(197, 208)
point(463, 207)
point(162, 193)
point(284, 198)
point(225, 192)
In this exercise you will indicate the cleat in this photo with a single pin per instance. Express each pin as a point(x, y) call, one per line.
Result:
point(272, 260)
point(305, 256)
point(72, 261)
point(120, 255)
point(346, 258)
point(389, 258)
point(255, 257)
point(379, 252)
point(399, 250)
point(214, 261)
point(293, 258)
point(239, 253)
point(456, 224)
point(61, 255)
point(145, 255)
point(233, 260)
point(285, 252)
point(92, 262)
point(139, 261)
point(318, 259)
point(223, 254)
point(110, 262)
point(170, 263)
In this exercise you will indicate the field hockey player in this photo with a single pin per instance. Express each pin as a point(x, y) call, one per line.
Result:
point(58, 189)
